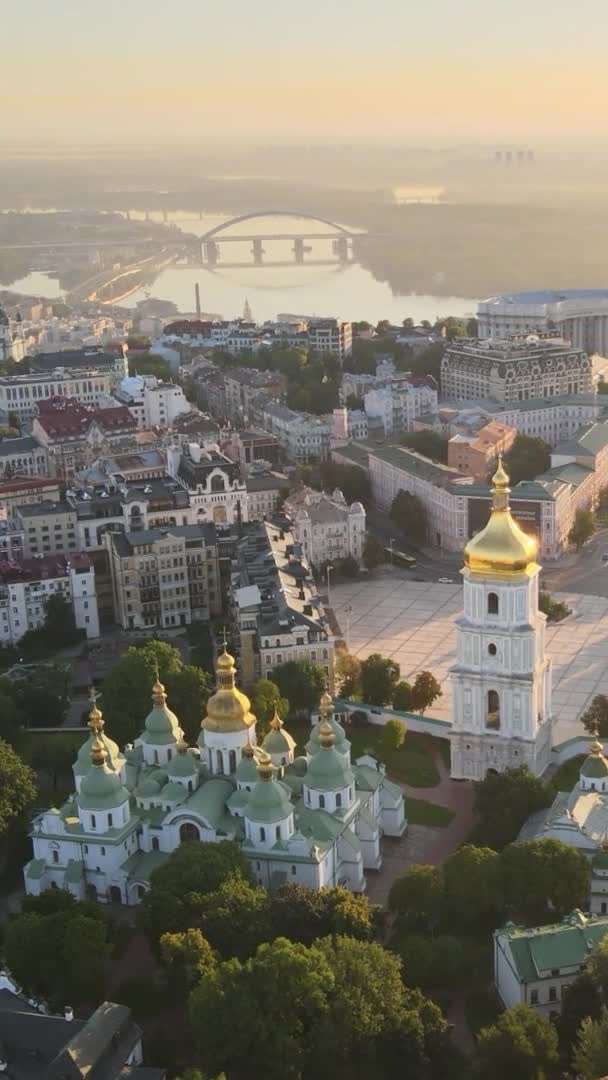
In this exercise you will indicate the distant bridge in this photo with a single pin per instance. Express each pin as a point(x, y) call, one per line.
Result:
point(339, 230)
point(214, 238)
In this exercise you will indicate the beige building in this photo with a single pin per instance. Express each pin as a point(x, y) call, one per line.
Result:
point(475, 455)
point(164, 577)
point(48, 528)
point(514, 369)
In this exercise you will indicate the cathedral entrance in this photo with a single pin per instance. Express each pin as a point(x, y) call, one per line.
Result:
point(115, 894)
point(187, 832)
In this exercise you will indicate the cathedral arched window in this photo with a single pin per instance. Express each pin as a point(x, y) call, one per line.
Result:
point(278, 832)
point(492, 603)
point(187, 832)
point(232, 760)
point(321, 802)
point(263, 834)
point(493, 715)
point(220, 762)
point(155, 843)
point(338, 801)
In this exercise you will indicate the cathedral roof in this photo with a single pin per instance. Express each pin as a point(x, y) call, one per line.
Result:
point(247, 770)
point(502, 548)
point(278, 741)
point(161, 725)
point(269, 801)
point(326, 711)
point(329, 769)
point(595, 766)
point(183, 763)
point(101, 787)
point(228, 709)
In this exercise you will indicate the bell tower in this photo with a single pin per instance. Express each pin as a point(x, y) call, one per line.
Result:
point(501, 680)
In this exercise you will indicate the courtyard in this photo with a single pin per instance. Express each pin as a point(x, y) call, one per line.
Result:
point(413, 622)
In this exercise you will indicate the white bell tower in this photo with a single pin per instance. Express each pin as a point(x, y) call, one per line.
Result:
point(502, 676)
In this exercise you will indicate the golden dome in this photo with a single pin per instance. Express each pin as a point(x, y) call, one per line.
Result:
point(228, 709)
point(502, 548)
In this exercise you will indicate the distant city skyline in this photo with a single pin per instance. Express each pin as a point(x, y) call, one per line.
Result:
point(364, 69)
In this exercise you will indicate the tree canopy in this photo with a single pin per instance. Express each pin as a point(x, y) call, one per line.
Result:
point(595, 717)
point(527, 458)
point(425, 690)
point(17, 786)
point(520, 1044)
point(427, 443)
point(265, 701)
point(590, 1058)
point(127, 690)
point(301, 683)
point(379, 676)
point(410, 516)
point(504, 801)
point(583, 528)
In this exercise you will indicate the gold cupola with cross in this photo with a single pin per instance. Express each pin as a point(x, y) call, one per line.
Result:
point(502, 548)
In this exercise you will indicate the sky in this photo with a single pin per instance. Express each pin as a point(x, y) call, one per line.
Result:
point(291, 69)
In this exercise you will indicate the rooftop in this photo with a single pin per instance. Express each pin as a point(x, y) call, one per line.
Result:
point(542, 949)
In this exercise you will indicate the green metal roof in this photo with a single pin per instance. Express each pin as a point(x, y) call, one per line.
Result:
point(545, 948)
point(101, 789)
point(173, 792)
point(329, 770)
point(36, 868)
point(269, 802)
point(83, 760)
point(183, 765)
point(139, 865)
point(161, 721)
point(595, 766)
point(247, 771)
point(209, 800)
point(278, 742)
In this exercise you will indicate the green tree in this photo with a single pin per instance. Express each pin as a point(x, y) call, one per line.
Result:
point(127, 690)
point(348, 670)
point(580, 999)
point(235, 918)
point(265, 701)
point(595, 717)
point(177, 888)
point(428, 443)
point(351, 480)
point(555, 610)
point(582, 529)
point(504, 801)
point(374, 553)
point(527, 458)
point(425, 691)
point(279, 997)
point(544, 879)
point(348, 567)
point(410, 516)
point(590, 1058)
point(301, 682)
point(597, 968)
point(402, 697)
point(17, 787)
point(427, 963)
point(186, 958)
point(473, 887)
point(521, 1044)
point(379, 676)
point(393, 735)
point(416, 898)
point(302, 914)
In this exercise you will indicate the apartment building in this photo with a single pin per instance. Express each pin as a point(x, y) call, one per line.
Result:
point(153, 403)
point(277, 613)
point(49, 528)
point(264, 493)
point(395, 407)
point(213, 482)
point(120, 505)
point(25, 489)
point(331, 336)
point(89, 384)
point(26, 586)
point(325, 526)
point(305, 439)
point(553, 419)
point(516, 369)
point(164, 577)
point(242, 384)
point(475, 455)
point(74, 434)
point(250, 447)
point(543, 507)
point(23, 456)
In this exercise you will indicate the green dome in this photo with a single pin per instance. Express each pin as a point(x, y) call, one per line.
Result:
point(329, 770)
point(161, 725)
point(269, 802)
point(173, 792)
point(83, 760)
point(278, 742)
point(101, 789)
point(342, 744)
point(595, 766)
point(246, 770)
point(148, 788)
point(183, 764)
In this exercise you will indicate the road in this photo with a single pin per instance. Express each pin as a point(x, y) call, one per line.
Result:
point(430, 565)
point(581, 572)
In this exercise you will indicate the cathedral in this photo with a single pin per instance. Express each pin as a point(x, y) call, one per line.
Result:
point(315, 819)
point(501, 680)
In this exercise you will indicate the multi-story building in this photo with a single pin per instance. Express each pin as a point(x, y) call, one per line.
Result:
point(25, 489)
point(305, 439)
point(475, 455)
point(74, 434)
point(49, 528)
point(331, 336)
point(242, 384)
point(395, 407)
point(501, 680)
point(25, 588)
point(250, 447)
point(514, 370)
point(23, 456)
point(264, 493)
point(89, 379)
point(277, 612)
point(325, 526)
point(544, 508)
point(348, 425)
point(553, 419)
point(213, 482)
point(580, 316)
point(534, 966)
point(153, 403)
point(119, 505)
point(164, 577)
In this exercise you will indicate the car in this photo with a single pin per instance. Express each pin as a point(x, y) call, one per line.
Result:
point(446, 581)
point(605, 557)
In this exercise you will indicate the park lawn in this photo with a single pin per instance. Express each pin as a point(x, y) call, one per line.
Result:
point(412, 764)
point(422, 812)
point(567, 775)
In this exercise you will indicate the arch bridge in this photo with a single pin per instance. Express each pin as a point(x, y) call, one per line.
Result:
point(340, 236)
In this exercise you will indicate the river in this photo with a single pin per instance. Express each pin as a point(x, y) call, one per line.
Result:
point(329, 288)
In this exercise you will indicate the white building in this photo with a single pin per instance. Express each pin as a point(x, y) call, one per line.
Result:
point(152, 403)
point(553, 419)
point(316, 820)
point(502, 676)
point(25, 588)
point(580, 315)
point(216, 491)
point(534, 966)
point(23, 456)
point(397, 406)
point(325, 526)
point(331, 336)
point(22, 393)
point(306, 439)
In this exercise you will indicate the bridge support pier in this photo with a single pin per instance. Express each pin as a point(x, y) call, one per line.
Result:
point(298, 251)
point(341, 248)
point(211, 252)
point(258, 252)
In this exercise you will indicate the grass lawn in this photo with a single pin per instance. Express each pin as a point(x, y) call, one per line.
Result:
point(422, 812)
point(567, 775)
point(411, 764)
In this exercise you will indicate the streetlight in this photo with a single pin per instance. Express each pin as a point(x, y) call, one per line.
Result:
point(390, 544)
point(327, 570)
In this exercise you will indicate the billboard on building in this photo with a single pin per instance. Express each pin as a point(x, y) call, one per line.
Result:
point(526, 512)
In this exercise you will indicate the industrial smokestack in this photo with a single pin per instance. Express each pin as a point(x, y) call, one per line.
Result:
point(197, 297)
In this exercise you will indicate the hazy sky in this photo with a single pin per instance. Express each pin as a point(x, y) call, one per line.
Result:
point(282, 68)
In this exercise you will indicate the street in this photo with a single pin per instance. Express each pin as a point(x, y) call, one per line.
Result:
point(581, 572)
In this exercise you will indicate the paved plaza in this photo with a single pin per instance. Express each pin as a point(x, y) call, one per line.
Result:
point(413, 622)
